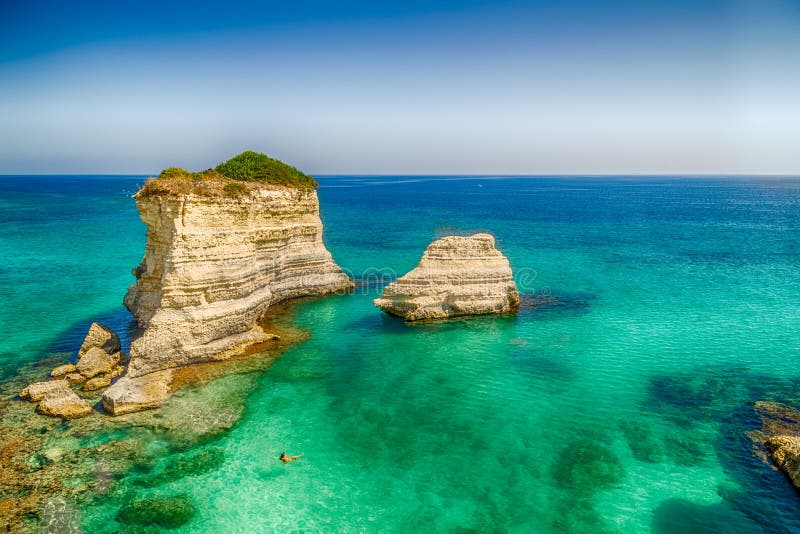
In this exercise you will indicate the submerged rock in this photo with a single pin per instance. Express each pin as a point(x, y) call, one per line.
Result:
point(99, 337)
point(197, 464)
point(456, 276)
point(37, 391)
point(64, 403)
point(586, 466)
point(166, 512)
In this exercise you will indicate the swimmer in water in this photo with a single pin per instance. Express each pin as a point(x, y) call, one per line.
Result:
point(286, 459)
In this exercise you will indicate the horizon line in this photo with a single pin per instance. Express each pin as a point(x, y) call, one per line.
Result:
point(424, 174)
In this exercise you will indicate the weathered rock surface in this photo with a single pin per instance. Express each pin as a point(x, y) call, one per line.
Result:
point(99, 382)
point(63, 370)
point(785, 451)
point(37, 391)
point(99, 337)
point(780, 435)
point(97, 361)
point(212, 267)
point(64, 403)
point(133, 394)
point(75, 378)
point(456, 276)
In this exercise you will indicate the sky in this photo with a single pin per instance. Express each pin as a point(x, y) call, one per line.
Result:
point(402, 87)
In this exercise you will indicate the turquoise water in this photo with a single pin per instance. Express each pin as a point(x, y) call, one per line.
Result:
point(657, 311)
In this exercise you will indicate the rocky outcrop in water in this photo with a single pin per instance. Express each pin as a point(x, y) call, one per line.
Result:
point(456, 276)
point(63, 402)
point(780, 435)
point(213, 264)
point(36, 391)
point(99, 362)
point(785, 451)
point(99, 337)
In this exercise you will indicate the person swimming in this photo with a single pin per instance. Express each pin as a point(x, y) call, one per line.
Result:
point(286, 459)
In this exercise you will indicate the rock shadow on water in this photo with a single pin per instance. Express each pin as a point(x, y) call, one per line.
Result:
point(64, 348)
point(484, 322)
point(556, 304)
point(119, 320)
point(679, 516)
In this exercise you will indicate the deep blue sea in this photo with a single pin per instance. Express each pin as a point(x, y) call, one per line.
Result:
point(657, 311)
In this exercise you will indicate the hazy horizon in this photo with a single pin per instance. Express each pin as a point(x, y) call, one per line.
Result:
point(460, 88)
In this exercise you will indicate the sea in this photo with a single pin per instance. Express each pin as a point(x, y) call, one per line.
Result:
point(656, 310)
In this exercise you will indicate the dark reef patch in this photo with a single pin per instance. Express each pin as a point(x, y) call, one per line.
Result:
point(166, 512)
point(196, 464)
point(548, 304)
point(680, 516)
point(713, 407)
point(645, 446)
point(586, 466)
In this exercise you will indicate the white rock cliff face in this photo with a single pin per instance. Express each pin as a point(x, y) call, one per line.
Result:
point(212, 267)
point(456, 276)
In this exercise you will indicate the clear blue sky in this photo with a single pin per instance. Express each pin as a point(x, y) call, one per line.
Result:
point(577, 86)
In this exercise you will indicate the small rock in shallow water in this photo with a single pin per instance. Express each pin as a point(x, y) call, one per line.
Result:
point(96, 383)
point(97, 362)
point(63, 370)
point(37, 391)
point(99, 337)
point(53, 454)
point(75, 378)
point(140, 393)
point(64, 403)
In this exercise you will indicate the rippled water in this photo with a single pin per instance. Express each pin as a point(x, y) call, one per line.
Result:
point(616, 400)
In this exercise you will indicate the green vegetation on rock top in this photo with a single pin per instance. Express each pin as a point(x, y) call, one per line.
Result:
point(251, 166)
point(235, 177)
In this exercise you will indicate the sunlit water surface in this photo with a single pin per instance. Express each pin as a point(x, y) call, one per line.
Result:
point(657, 311)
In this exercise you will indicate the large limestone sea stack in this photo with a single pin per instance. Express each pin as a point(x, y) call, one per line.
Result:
point(222, 246)
point(456, 276)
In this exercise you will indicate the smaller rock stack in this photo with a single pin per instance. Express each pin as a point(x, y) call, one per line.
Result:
point(100, 360)
point(456, 276)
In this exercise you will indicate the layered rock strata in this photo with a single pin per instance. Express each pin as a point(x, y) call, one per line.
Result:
point(213, 264)
point(456, 276)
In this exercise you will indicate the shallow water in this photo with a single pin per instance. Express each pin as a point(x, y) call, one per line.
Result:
point(619, 403)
